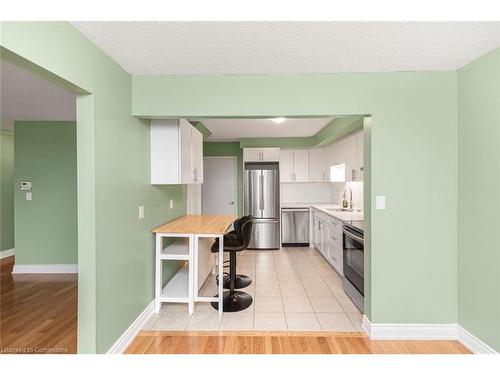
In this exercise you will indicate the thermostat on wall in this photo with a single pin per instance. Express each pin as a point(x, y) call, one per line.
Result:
point(25, 186)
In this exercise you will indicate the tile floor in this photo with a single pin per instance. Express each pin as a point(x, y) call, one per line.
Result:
point(293, 288)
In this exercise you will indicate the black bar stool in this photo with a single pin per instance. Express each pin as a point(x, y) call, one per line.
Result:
point(240, 281)
point(235, 300)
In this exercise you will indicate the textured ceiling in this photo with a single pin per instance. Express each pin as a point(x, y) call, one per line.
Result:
point(235, 129)
point(25, 96)
point(291, 47)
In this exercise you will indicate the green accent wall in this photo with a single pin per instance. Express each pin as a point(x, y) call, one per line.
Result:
point(115, 248)
point(479, 199)
point(6, 190)
point(46, 227)
point(229, 149)
point(413, 163)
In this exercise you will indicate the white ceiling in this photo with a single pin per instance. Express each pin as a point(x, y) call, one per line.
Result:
point(291, 47)
point(25, 96)
point(235, 129)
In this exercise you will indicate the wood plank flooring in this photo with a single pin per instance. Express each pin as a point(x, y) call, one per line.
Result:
point(37, 311)
point(183, 342)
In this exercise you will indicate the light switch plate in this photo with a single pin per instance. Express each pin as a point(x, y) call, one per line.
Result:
point(171, 203)
point(380, 202)
point(141, 212)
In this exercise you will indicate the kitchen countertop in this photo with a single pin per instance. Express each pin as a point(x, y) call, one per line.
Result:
point(323, 207)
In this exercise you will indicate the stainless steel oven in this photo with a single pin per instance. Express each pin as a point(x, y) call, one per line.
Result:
point(353, 261)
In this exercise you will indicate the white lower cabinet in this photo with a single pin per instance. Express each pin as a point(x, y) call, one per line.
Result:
point(327, 239)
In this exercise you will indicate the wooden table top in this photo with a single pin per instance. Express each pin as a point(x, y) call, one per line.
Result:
point(197, 224)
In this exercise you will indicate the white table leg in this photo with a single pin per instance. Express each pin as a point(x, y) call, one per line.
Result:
point(221, 272)
point(158, 273)
point(192, 260)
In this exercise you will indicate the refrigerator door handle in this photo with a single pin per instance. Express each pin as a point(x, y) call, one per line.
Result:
point(261, 187)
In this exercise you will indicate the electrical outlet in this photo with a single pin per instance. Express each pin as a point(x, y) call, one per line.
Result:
point(141, 212)
point(29, 196)
point(380, 202)
point(171, 203)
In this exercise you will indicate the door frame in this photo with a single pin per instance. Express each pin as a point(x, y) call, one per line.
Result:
point(236, 203)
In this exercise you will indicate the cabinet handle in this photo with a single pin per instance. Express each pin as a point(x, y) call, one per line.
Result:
point(353, 174)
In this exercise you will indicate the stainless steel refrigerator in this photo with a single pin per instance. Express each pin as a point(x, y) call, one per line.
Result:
point(261, 200)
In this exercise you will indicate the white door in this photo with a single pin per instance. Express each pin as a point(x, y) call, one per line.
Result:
point(186, 169)
point(301, 165)
point(197, 155)
point(218, 191)
point(286, 166)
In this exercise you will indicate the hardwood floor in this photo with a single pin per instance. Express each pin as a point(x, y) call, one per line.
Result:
point(37, 311)
point(183, 342)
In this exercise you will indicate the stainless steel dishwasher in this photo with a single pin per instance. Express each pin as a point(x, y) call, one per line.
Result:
point(295, 226)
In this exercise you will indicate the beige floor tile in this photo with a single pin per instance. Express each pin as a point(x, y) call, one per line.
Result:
point(292, 289)
point(175, 308)
point(265, 272)
point(348, 305)
point(204, 307)
point(151, 322)
point(326, 304)
point(205, 321)
point(302, 322)
point(266, 280)
point(356, 319)
point(172, 321)
point(338, 291)
point(272, 290)
point(327, 271)
point(269, 321)
point(239, 321)
point(268, 304)
point(336, 322)
point(318, 290)
point(297, 304)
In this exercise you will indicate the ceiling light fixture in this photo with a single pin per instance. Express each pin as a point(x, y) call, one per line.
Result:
point(278, 120)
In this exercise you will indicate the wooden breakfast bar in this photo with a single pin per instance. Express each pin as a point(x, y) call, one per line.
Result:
point(186, 236)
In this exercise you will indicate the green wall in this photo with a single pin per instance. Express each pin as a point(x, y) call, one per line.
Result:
point(229, 149)
point(46, 227)
point(115, 249)
point(413, 163)
point(6, 190)
point(478, 198)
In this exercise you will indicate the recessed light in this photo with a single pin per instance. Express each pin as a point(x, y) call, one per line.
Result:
point(278, 120)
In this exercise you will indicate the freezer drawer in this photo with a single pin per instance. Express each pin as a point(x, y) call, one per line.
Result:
point(295, 227)
point(265, 234)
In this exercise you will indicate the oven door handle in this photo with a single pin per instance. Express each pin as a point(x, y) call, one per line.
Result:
point(353, 236)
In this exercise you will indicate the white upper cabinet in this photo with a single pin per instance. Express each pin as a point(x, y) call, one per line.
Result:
point(261, 154)
point(286, 165)
point(176, 152)
point(301, 165)
point(348, 151)
point(294, 165)
point(318, 165)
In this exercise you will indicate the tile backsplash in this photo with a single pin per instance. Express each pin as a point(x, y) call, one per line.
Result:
point(298, 192)
point(321, 192)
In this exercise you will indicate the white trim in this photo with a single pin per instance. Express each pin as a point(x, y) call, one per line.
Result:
point(7, 253)
point(472, 343)
point(425, 332)
point(45, 268)
point(126, 338)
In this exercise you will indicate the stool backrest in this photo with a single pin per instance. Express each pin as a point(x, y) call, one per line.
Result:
point(246, 230)
point(238, 223)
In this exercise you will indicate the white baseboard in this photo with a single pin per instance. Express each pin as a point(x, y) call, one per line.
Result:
point(7, 253)
point(425, 332)
point(45, 268)
point(472, 343)
point(126, 338)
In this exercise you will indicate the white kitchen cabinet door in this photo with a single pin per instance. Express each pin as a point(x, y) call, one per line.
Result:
point(286, 165)
point(252, 154)
point(270, 154)
point(301, 165)
point(318, 168)
point(197, 155)
point(185, 152)
point(359, 156)
point(347, 156)
point(335, 257)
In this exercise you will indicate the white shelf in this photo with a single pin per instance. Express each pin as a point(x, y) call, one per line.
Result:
point(179, 250)
point(177, 289)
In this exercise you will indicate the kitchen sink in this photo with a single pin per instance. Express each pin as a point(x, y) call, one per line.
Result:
point(341, 209)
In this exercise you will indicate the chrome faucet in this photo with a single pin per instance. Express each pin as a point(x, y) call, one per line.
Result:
point(350, 198)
